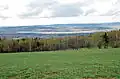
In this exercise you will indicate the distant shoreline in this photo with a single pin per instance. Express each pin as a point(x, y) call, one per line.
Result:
point(116, 27)
point(92, 31)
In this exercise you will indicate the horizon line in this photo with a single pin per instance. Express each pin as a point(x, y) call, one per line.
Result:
point(57, 24)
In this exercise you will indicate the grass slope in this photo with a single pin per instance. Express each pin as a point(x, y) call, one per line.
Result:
point(70, 64)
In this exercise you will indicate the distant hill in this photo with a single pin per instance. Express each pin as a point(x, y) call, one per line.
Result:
point(53, 30)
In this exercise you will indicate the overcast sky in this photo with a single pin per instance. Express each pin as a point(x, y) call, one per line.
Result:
point(35, 12)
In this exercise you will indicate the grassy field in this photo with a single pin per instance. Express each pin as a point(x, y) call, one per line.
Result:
point(70, 64)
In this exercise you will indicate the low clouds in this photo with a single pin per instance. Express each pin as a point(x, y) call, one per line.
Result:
point(54, 8)
point(65, 8)
point(115, 10)
point(68, 10)
point(3, 8)
point(36, 7)
point(72, 8)
point(4, 17)
point(88, 12)
point(39, 9)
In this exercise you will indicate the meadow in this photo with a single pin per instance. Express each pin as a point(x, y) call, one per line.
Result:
point(69, 64)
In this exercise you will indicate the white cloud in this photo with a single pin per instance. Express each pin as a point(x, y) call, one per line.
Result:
point(36, 8)
point(30, 12)
point(67, 10)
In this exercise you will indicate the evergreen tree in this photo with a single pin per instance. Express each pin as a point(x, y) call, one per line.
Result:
point(105, 40)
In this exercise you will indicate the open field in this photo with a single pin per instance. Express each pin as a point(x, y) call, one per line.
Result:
point(70, 64)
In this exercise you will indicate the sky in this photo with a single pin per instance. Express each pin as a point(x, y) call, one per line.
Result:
point(39, 12)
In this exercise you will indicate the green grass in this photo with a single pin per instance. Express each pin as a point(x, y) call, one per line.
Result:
point(70, 64)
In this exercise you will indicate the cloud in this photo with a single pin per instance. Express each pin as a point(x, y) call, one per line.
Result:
point(4, 17)
point(88, 12)
point(25, 11)
point(36, 7)
point(66, 8)
point(69, 10)
point(3, 8)
point(114, 11)
point(56, 8)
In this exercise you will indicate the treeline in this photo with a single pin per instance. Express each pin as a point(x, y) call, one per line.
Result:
point(37, 44)
point(107, 39)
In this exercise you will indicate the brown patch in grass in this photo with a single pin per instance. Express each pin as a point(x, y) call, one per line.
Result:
point(51, 73)
point(98, 78)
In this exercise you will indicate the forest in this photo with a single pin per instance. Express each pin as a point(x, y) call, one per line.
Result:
point(97, 40)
